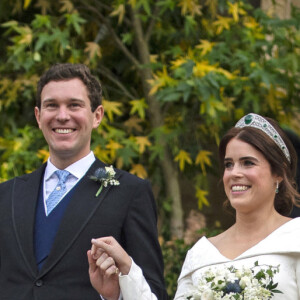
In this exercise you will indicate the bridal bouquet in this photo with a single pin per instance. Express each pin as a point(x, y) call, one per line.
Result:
point(236, 284)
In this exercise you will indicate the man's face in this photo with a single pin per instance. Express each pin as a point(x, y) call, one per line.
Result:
point(66, 119)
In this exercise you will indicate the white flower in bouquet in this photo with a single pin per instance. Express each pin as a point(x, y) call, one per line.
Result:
point(245, 281)
point(229, 283)
point(207, 295)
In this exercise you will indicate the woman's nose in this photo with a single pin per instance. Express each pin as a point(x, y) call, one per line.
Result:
point(236, 170)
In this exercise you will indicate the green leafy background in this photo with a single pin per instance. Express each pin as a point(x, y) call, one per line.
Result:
point(176, 74)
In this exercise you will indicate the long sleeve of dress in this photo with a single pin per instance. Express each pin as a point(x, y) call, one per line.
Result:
point(298, 275)
point(134, 285)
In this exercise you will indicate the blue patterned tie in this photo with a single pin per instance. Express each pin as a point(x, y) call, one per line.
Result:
point(59, 190)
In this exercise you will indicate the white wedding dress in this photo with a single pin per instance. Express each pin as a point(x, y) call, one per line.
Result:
point(281, 247)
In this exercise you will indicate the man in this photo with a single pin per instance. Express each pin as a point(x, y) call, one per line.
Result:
point(44, 236)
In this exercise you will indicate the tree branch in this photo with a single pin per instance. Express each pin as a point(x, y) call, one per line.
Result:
point(109, 75)
point(117, 40)
point(152, 23)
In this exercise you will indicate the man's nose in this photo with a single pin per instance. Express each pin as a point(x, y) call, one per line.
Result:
point(63, 114)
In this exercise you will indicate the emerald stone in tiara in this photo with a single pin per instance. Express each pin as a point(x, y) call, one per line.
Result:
point(257, 121)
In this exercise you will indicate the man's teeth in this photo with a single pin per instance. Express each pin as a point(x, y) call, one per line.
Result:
point(63, 130)
point(238, 188)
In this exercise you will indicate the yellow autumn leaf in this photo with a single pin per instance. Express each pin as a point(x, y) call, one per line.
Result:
point(201, 196)
point(235, 10)
point(153, 58)
point(113, 147)
point(183, 157)
point(133, 123)
point(4, 169)
point(202, 68)
point(132, 3)
point(205, 46)
point(120, 12)
point(112, 108)
point(228, 101)
point(6, 144)
point(190, 7)
point(138, 106)
point(203, 159)
point(173, 120)
point(102, 154)
point(273, 98)
point(143, 142)
point(26, 35)
point(93, 50)
point(161, 79)
point(178, 62)
point(222, 23)
point(238, 113)
point(250, 23)
point(139, 170)
point(44, 6)
point(212, 106)
point(67, 6)
point(43, 154)
point(17, 144)
point(26, 3)
point(226, 73)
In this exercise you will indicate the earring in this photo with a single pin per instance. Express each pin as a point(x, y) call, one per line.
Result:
point(277, 187)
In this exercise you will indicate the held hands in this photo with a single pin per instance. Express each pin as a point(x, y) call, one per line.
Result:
point(106, 258)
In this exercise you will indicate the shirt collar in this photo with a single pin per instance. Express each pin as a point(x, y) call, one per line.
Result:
point(77, 169)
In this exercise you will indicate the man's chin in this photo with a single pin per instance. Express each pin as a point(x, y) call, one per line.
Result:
point(63, 152)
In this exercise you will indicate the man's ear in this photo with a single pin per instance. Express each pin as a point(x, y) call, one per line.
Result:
point(98, 116)
point(37, 115)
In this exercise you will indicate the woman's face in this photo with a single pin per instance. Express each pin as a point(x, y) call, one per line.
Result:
point(248, 181)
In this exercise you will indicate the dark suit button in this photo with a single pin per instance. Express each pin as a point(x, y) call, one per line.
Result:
point(39, 283)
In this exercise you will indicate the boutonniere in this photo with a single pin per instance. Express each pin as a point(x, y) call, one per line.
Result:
point(105, 176)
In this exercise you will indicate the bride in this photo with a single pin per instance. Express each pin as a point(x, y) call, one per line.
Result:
point(259, 170)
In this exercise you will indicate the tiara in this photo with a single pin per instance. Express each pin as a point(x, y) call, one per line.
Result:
point(257, 121)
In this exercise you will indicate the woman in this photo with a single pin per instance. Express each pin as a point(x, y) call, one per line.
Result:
point(259, 171)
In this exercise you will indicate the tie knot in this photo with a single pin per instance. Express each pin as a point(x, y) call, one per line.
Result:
point(62, 175)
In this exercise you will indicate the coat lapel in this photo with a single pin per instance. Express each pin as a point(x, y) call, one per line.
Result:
point(81, 208)
point(24, 199)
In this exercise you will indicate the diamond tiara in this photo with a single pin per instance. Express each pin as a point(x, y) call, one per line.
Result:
point(257, 121)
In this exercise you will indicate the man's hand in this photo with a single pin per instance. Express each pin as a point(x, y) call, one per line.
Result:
point(104, 275)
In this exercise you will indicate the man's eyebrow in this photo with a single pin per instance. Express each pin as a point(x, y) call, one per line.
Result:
point(53, 99)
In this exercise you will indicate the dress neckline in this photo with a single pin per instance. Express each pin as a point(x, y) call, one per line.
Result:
point(279, 229)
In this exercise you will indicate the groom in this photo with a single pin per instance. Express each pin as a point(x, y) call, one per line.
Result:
point(48, 217)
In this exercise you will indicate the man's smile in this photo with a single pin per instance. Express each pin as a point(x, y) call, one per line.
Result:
point(63, 130)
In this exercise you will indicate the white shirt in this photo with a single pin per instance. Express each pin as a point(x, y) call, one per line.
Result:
point(77, 171)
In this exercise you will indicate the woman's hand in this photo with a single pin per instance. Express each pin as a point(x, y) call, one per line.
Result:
point(113, 249)
point(106, 258)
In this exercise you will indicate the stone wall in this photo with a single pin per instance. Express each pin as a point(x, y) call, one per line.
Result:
point(282, 8)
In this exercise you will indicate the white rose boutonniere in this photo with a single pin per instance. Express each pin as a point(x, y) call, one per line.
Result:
point(105, 176)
